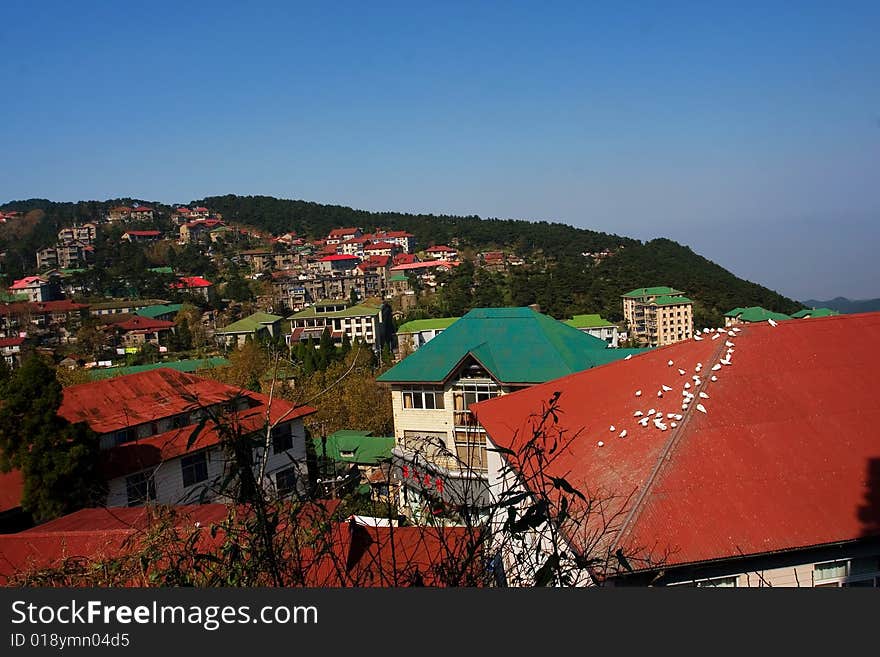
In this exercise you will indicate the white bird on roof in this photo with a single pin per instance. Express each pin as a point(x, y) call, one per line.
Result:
point(658, 414)
point(669, 416)
point(716, 367)
point(638, 393)
point(716, 336)
point(728, 343)
point(638, 414)
point(623, 434)
point(670, 363)
point(651, 412)
point(666, 388)
point(600, 444)
point(721, 330)
point(687, 385)
point(695, 377)
point(681, 372)
point(628, 357)
point(698, 367)
point(772, 323)
point(673, 425)
point(697, 381)
point(697, 337)
point(659, 393)
point(611, 428)
point(705, 330)
point(678, 417)
point(725, 361)
point(713, 379)
point(701, 408)
point(644, 422)
point(703, 395)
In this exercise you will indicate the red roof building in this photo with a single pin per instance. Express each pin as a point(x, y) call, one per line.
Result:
point(405, 259)
point(750, 450)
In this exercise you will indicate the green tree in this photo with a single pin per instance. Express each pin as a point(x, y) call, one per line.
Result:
point(59, 460)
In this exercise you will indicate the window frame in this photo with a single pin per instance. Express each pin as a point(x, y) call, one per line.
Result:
point(192, 464)
point(146, 478)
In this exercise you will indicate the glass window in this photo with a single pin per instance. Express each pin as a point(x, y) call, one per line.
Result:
point(141, 488)
point(285, 481)
point(425, 397)
point(282, 438)
point(194, 468)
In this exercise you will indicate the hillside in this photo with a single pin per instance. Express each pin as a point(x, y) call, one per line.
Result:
point(846, 306)
point(557, 277)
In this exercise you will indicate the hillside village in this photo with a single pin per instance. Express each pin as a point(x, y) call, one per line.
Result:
point(200, 364)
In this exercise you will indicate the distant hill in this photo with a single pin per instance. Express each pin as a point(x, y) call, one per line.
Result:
point(559, 277)
point(846, 306)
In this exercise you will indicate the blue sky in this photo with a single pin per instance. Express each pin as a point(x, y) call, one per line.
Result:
point(750, 132)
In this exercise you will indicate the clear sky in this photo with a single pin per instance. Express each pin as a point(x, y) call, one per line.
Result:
point(750, 132)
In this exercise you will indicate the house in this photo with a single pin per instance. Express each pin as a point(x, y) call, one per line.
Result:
point(657, 316)
point(66, 255)
point(252, 327)
point(339, 235)
point(199, 230)
point(166, 311)
point(137, 331)
point(10, 350)
point(338, 263)
point(389, 249)
point(417, 332)
point(751, 315)
point(120, 213)
point(23, 317)
point(406, 241)
point(493, 261)
point(258, 259)
point(146, 421)
point(141, 235)
point(195, 285)
point(358, 454)
point(814, 312)
point(37, 288)
point(85, 233)
point(142, 213)
point(398, 285)
point(198, 366)
point(487, 353)
point(361, 322)
point(441, 252)
point(597, 327)
point(767, 476)
point(123, 306)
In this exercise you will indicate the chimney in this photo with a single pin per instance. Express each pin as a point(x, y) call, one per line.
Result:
point(535, 307)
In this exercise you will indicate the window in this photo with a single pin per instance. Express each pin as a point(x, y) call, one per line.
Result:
point(470, 449)
point(722, 582)
point(285, 481)
point(346, 453)
point(465, 394)
point(194, 468)
point(863, 572)
point(141, 488)
point(424, 397)
point(282, 438)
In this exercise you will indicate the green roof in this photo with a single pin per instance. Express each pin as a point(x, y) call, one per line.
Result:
point(250, 324)
point(417, 325)
point(366, 449)
point(670, 300)
point(652, 292)
point(516, 345)
point(733, 313)
point(352, 311)
point(155, 311)
point(758, 314)
point(815, 312)
point(192, 365)
point(398, 277)
point(587, 321)
point(162, 270)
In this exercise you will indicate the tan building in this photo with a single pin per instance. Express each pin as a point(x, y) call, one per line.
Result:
point(658, 315)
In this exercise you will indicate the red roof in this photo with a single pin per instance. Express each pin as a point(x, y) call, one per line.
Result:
point(207, 223)
point(143, 233)
point(41, 307)
point(440, 249)
point(404, 259)
point(11, 342)
point(380, 246)
point(334, 258)
point(200, 209)
point(375, 262)
point(183, 210)
point(24, 283)
point(395, 233)
point(138, 323)
point(142, 208)
point(425, 265)
point(190, 282)
point(341, 232)
point(779, 461)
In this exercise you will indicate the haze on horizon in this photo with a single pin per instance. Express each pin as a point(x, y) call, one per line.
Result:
point(750, 133)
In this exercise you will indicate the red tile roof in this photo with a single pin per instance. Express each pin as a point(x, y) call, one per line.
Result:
point(380, 246)
point(41, 307)
point(425, 265)
point(395, 233)
point(439, 249)
point(375, 262)
point(207, 223)
point(142, 208)
point(11, 342)
point(404, 259)
point(334, 258)
point(24, 283)
point(779, 461)
point(143, 233)
point(186, 282)
point(341, 232)
point(139, 323)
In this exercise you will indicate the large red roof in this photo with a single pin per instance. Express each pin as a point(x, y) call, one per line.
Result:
point(138, 323)
point(334, 258)
point(24, 283)
point(143, 233)
point(341, 232)
point(186, 282)
point(380, 246)
point(424, 265)
point(41, 307)
point(11, 342)
point(780, 460)
point(11, 489)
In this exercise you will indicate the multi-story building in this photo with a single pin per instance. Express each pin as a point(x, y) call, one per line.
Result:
point(252, 327)
point(597, 327)
point(389, 249)
point(441, 452)
point(339, 235)
point(145, 423)
point(338, 263)
point(63, 316)
point(406, 241)
point(658, 315)
point(418, 332)
point(198, 230)
point(86, 233)
point(37, 288)
point(361, 322)
point(195, 285)
point(441, 252)
point(141, 235)
point(66, 255)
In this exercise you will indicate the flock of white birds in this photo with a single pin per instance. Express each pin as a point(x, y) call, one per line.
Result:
point(670, 420)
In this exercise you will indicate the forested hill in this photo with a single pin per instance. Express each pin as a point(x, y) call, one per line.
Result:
point(315, 219)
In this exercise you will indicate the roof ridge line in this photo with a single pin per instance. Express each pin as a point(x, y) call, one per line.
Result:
point(662, 459)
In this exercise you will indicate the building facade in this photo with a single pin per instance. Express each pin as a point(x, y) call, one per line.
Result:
point(657, 316)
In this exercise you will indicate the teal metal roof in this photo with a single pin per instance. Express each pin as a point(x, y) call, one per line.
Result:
point(157, 311)
point(417, 325)
point(192, 365)
point(350, 446)
point(652, 292)
point(815, 312)
point(516, 345)
point(667, 300)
